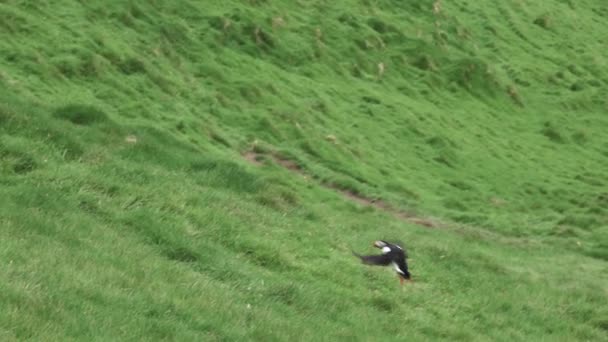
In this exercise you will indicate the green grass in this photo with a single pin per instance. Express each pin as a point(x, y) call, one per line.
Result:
point(127, 211)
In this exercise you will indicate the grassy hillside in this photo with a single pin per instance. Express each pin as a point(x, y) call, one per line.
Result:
point(195, 170)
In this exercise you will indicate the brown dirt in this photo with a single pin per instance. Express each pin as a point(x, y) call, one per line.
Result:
point(497, 202)
point(354, 197)
point(131, 139)
point(254, 157)
point(381, 205)
point(288, 164)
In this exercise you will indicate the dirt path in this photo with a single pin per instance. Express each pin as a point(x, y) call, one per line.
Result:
point(255, 159)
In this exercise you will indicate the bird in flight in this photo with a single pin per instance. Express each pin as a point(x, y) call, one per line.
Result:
point(391, 254)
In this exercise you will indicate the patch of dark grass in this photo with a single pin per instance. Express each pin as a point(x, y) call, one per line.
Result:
point(586, 222)
point(445, 159)
point(455, 204)
point(475, 76)
point(94, 66)
point(440, 142)
point(278, 198)
point(406, 194)
point(426, 63)
point(543, 21)
point(371, 100)
point(130, 66)
point(579, 137)
point(461, 185)
point(577, 86)
point(282, 293)
point(264, 256)
point(181, 254)
point(565, 231)
point(170, 242)
point(472, 219)
point(175, 31)
point(269, 130)
point(550, 131)
point(24, 164)
point(83, 115)
point(250, 93)
point(226, 174)
point(381, 26)
point(165, 84)
point(601, 323)
point(382, 304)
point(220, 138)
point(68, 65)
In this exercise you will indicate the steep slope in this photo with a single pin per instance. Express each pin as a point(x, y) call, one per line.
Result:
point(129, 211)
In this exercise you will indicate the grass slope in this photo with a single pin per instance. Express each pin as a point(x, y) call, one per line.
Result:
point(128, 212)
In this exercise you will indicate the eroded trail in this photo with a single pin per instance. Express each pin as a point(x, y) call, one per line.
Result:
point(255, 159)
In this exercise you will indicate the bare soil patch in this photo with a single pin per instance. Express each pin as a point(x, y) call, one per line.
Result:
point(254, 158)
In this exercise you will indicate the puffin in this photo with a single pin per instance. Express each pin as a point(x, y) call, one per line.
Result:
point(393, 254)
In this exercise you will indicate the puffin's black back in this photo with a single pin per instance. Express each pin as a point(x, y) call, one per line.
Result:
point(399, 256)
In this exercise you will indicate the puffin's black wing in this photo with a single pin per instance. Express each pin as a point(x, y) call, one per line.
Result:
point(379, 260)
